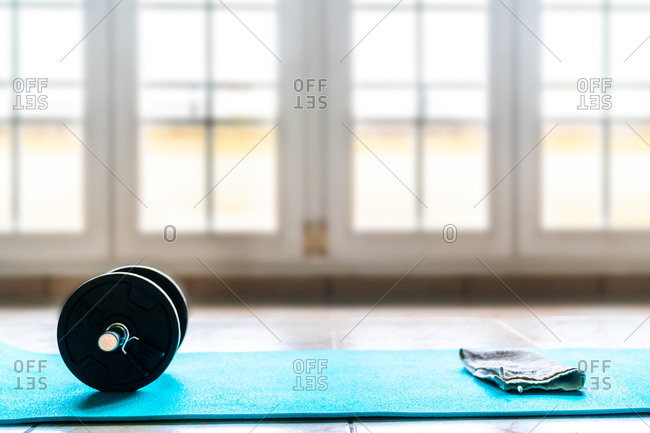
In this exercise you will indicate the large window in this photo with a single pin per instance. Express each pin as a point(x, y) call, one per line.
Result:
point(595, 88)
point(208, 115)
point(420, 113)
point(41, 88)
point(174, 130)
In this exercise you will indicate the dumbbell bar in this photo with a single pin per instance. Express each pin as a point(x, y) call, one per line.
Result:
point(119, 331)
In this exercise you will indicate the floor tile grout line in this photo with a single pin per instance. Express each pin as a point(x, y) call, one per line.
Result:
point(330, 324)
point(333, 341)
point(515, 332)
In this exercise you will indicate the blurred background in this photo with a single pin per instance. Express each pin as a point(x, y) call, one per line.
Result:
point(324, 149)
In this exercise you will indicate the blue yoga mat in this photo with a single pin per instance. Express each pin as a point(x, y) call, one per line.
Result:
point(316, 384)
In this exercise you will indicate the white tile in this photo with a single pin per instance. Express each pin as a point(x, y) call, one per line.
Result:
point(605, 424)
point(267, 427)
point(14, 429)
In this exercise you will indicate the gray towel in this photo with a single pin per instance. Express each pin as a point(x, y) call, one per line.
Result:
point(521, 370)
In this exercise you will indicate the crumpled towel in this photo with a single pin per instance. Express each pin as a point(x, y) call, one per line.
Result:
point(521, 370)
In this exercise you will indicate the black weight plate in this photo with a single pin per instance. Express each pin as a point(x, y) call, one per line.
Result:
point(168, 285)
point(138, 303)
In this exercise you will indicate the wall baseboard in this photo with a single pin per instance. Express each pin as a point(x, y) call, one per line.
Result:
point(362, 289)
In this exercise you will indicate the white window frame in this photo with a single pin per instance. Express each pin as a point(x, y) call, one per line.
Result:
point(60, 252)
point(232, 249)
point(385, 249)
point(597, 250)
point(315, 168)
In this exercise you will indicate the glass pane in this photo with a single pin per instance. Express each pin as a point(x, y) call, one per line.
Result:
point(629, 30)
point(5, 179)
point(567, 102)
point(7, 98)
point(380, 201)
point(456, 46)
point(238, 55)
point(465, 104)
point(630, 159)
point(173, 103)
point(233, 4)
point(456, 2)
point(388, 53)
point(58, 103)
point(46, 36)
point(173, 3)
point(631, 103)
point(59, 2)
point(455, 177)
point(385, 103)
point(172, 45)
point(576, 38)
point(391, 3)
point(385, 3)
point(571, 177)
point(50, 179)
point(574, 2)
point(172, 177)
point(246, 197)
point(5, 51)
point(245, 104)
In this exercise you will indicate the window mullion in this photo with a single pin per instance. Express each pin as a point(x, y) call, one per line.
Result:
point(420, 121)
point(605, 150)
point(14, 123)
point(209, 124)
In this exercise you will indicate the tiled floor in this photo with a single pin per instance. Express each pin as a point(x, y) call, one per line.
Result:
point(235, 328)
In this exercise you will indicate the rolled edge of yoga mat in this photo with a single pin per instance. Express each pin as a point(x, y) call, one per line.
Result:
point(522, 370)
